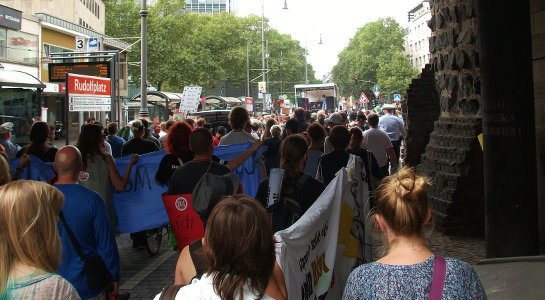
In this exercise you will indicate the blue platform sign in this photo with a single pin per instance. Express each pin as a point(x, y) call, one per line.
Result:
point(93, 44)
point(397, 98)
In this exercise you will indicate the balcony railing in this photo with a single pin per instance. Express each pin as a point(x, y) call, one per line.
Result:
point(80, 29)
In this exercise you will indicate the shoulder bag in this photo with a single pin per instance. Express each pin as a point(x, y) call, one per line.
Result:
point(96, 272)
point(438, 279)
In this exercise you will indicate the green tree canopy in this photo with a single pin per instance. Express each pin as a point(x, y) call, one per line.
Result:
point(375, 53)
point(188, 48)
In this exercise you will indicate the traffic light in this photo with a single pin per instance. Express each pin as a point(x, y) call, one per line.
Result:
point(356, 79)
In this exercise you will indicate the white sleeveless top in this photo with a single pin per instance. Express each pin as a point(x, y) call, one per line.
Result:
point(204, 290)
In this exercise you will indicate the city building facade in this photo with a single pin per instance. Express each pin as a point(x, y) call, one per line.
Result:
point(48, 28)
point(209, 6)
point(86, 13)
point(19, 41)
point(417, 36)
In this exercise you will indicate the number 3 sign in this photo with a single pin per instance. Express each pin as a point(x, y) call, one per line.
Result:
point(80, 43)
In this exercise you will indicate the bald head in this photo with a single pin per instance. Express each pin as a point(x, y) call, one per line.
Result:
point(68, 162)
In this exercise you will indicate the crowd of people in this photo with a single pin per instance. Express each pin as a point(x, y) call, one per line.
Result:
point(48, 230)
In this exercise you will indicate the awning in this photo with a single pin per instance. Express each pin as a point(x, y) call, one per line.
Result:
point(18, 79)
point(308, 87)
point(161, 97)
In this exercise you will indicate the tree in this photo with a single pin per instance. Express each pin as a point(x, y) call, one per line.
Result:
point(374, 54)
point(207, 50)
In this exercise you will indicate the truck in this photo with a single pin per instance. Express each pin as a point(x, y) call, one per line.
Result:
point(311, 97)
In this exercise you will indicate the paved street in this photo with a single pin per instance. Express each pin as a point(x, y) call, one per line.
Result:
point(142, 275)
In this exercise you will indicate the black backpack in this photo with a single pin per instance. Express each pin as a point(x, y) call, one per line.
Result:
point(288, 210)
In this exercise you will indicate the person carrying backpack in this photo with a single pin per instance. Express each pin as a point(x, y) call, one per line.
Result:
point(298, 190)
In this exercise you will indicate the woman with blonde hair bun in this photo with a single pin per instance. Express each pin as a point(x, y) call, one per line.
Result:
point(30, 251)
point(410, 270)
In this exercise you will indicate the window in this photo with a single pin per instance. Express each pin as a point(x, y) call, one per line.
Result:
point(22, 47)
point(3, 42)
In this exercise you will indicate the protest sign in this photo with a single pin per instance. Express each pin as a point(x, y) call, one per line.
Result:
point(186, 224)
point(190, 98)
point(318, 252)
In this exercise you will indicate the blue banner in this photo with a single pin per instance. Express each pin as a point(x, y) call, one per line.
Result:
point(140, 206)
point(249, 172)
point(37, 170)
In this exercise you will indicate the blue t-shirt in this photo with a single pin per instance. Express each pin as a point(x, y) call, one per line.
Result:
point(380, 281)
point(116, 143)
point(85, 214)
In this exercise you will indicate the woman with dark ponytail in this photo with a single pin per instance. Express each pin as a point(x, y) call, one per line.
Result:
point(298, 191)
point(409, 270)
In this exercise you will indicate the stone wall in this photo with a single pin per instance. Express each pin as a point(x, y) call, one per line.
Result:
point(538, 53)
point(421, 110)
point(453, 157)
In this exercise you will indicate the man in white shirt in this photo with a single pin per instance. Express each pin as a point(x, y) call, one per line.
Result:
point(379, 144)
point(393, 126)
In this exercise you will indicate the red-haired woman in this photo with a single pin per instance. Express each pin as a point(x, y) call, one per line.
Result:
point(178, 151)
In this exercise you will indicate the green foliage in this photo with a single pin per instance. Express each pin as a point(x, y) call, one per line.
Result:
point(374, 54)
point(207, 50)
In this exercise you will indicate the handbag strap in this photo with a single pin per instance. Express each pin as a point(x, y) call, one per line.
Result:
point(438, 279)
point(72, 237)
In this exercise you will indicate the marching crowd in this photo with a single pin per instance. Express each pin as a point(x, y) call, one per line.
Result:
point(57, 236)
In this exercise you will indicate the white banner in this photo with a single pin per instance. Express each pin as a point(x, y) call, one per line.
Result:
point(328, 241)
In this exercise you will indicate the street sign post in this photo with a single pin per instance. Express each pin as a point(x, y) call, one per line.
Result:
point(376, 91)
point(89, 93)
point(397, 98)
point(86, 93)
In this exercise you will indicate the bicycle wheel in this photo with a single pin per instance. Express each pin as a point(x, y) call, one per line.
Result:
point(153, 240)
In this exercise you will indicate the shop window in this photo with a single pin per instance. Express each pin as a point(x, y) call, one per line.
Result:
point(3, 42)
point(22, 47)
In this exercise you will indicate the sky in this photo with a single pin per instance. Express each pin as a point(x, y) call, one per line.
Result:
point(336, 20)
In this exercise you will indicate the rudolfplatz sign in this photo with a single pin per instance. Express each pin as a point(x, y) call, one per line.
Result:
point(89, 93)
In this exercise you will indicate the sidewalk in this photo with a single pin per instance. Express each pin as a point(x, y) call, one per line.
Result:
point(142, 275)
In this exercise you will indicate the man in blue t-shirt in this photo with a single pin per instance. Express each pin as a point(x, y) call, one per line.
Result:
point(85, 214)
point(115, 142)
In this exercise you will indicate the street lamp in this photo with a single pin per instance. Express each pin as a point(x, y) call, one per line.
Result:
point(144, 63)
point(263, 48)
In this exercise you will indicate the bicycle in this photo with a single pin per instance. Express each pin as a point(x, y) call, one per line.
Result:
point(154, 238)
